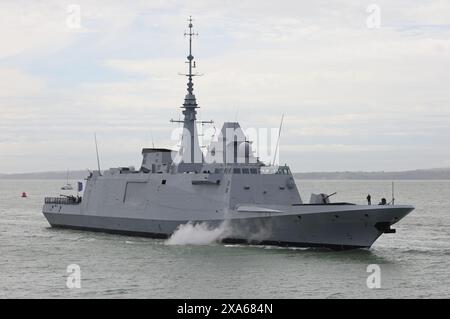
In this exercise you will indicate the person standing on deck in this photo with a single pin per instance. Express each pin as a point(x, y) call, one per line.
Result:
point(369, 199)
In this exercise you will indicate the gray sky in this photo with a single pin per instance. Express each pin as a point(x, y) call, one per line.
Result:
point(355, 96)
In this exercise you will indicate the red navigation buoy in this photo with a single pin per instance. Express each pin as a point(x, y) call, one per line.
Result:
point(24, 194)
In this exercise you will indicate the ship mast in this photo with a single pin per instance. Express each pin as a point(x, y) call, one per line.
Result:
point(191, 153)
point(190, 102)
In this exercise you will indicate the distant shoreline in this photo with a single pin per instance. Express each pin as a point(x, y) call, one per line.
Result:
point(76, 174)
point(419, 174)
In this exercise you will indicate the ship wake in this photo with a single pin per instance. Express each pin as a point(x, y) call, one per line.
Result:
point(204, 233)
point(199, 234)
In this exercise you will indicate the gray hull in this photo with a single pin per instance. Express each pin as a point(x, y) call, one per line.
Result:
point(258, 209)
point(343, 227)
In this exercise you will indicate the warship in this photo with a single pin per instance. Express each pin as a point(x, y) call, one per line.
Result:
point(227, 186)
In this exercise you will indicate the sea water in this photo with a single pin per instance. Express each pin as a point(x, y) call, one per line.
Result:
point(36, 261)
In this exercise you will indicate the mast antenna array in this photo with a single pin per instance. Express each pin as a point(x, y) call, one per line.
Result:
point(190, 57)
point(278, 139)
point(96, 150)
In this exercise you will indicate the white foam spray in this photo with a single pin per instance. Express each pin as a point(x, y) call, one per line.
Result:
point(198, 234)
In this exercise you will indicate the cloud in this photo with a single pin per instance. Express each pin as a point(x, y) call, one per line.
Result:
point(15, 83)
point(344, 88)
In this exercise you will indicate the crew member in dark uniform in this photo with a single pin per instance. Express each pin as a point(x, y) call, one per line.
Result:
point(369, 200)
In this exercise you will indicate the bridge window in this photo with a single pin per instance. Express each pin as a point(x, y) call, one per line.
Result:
point(236, 170)
point(163, 182)
point(283, 170)
point(245, 171)
point(253, 171)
